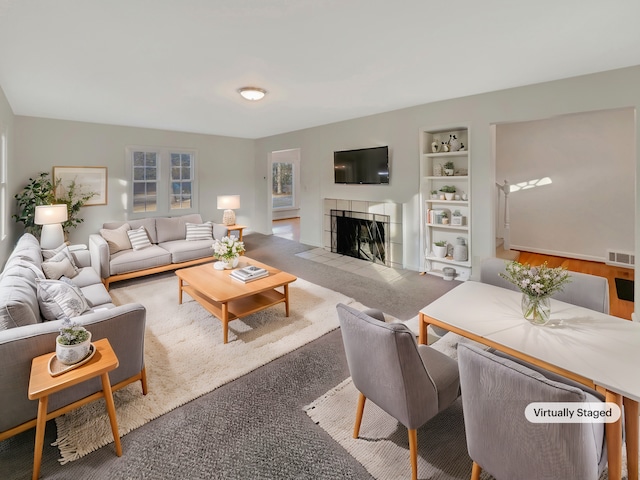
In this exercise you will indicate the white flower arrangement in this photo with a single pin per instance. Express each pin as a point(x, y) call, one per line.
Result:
point(541, 281)
point(227, 248)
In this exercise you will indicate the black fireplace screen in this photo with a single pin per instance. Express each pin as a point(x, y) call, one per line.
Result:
point(360, 235)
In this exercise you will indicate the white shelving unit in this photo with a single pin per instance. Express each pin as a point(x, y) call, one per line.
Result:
point(433, 178)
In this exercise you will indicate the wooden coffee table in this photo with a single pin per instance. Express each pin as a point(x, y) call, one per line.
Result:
point(226, 298)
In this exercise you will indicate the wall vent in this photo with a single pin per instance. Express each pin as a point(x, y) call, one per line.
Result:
point(621, 259)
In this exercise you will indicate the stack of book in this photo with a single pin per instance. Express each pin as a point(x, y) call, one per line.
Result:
point(248, 274)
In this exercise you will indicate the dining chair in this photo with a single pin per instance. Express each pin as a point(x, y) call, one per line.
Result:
point(495, 392)
point(410, 382)
point(584, 290)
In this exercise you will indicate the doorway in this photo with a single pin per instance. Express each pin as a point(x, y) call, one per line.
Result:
point(284, 198)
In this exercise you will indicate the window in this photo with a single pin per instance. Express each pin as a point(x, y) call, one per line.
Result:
point(282, 193)
point(162, 180)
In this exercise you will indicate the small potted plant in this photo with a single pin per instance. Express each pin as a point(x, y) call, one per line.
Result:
point(456, 218)
point(228, 251)
point(73, 343)
point(449, 168)
point(440, 249)
point(444, 216)
point(434, 194)
point(449, 191)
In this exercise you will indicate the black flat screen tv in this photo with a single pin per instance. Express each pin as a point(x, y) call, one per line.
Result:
point(365, 166)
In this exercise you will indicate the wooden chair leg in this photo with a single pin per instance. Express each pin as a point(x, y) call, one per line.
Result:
point(360, 410)
point(413, 453)
point(143, 380)
point(475, 471)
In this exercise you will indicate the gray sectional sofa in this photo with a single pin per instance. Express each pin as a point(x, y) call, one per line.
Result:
point(169, 247)
point(27, 296)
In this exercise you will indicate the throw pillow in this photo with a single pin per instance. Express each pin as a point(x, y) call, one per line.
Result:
point(199, 231)
point(60, 298)
point(64, 248)
point(117, 238)
point(139, 238)
point(56, 269)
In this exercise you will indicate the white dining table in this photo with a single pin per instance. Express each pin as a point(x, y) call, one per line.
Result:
point(598, 350)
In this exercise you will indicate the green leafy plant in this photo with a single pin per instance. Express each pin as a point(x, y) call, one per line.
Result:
point(434, 192)
point(448, 189)
point(444, 215)
point(449, 165)
point(457, 213)
point(441, 243)
point(72, 333)
point(42, 191)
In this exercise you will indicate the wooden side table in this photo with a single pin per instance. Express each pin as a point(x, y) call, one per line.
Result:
point(42, 384)
point(236, 227)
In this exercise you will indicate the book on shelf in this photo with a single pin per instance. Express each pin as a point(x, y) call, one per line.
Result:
point(251, 272)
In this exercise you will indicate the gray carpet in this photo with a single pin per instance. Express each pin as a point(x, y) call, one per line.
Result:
point(253, 427)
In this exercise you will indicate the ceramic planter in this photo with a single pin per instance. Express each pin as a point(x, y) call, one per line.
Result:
point(70, 354)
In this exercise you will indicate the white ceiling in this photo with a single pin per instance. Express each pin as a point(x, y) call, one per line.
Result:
point(177, 65)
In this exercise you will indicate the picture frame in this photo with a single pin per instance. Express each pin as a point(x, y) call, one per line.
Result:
point(87, 179)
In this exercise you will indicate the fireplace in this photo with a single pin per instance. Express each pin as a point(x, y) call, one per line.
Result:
point(361, 235)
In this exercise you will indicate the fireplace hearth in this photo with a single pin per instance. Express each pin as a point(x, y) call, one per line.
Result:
point(361, 235)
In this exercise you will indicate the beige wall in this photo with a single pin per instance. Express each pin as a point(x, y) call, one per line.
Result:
point(7, 125)
point(224, 164)
point(399, 129)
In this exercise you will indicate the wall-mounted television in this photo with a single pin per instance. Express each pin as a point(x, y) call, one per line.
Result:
point(366, 166)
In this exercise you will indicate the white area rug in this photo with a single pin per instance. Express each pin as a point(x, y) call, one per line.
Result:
point(185, 357)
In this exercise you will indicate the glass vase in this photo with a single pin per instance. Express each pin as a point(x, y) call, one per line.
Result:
point(536, 309)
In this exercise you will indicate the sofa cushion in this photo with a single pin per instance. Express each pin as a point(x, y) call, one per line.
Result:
point(59, 299)
point(138, 238)
point(86, 276)
point(199, 231)
point(27, 248)
point(54, 253)
point(54, 269)
point(132, 260)
point(174, 228)
point(183, 251)
point(117, 238)
point(149, 225)
point(96, 295)
point(18, 302)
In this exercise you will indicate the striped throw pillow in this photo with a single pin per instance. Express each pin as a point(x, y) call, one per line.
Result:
point(199, 231)
point(139, 238)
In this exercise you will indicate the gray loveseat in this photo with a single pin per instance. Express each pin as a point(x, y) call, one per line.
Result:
point(169, 247)
point(25, 334)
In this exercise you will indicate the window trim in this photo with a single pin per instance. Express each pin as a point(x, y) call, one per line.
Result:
point(163, 181)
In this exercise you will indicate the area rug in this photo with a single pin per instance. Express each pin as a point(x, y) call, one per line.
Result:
point(185, 357)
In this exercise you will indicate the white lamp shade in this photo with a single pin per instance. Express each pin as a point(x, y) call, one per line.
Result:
point(50, 214)
point(228, 202)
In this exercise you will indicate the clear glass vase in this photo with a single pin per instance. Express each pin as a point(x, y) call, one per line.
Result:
point(536, 309)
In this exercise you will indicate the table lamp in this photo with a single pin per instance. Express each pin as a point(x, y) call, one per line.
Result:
point(228, 203)
point(51, 218)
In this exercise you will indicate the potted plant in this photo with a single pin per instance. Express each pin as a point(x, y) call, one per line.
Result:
point(448, 191)
point(42, 191)
point(440, 249)
point(449, 168)
point(456, 218)
point(228, 251)
point(444, 216)
point(73, 343)
point(434, 194)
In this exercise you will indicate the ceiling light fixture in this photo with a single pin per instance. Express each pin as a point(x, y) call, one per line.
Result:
point(252, 93)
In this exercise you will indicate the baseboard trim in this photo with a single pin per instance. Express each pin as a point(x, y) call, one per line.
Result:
point(556, 253)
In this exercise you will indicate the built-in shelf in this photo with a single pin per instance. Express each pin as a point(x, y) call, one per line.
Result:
point(447, 154)
point(448, 227)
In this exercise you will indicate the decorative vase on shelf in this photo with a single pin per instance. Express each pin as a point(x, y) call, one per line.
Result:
point(536, 309)
point(71, 354)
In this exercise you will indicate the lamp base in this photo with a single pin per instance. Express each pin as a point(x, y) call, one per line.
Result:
point(229, 217)
point(52, 236)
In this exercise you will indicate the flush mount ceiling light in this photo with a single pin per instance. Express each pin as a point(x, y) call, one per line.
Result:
point(252, 93)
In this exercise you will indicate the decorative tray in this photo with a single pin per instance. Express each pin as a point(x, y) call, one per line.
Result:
point(58, 368)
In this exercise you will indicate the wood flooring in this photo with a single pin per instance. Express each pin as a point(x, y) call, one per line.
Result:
point(617, 307)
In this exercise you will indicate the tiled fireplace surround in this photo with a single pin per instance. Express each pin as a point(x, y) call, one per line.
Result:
point(393, 210)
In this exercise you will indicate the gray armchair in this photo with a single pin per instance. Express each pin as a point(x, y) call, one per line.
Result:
point(500, 440)
point(410, 382)
point(588, 291)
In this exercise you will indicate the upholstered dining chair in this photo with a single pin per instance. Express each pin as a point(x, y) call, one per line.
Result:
point(584, 290)
point(410, 382)
point(495, 392)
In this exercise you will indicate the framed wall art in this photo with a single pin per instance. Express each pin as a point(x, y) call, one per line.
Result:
point(85, 179)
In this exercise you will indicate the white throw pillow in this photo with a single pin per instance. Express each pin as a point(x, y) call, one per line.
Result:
point(199, 231)
point(60, 298)
point(56, 269)
point(139, 238)
point(117, 238)
point(55, 254)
